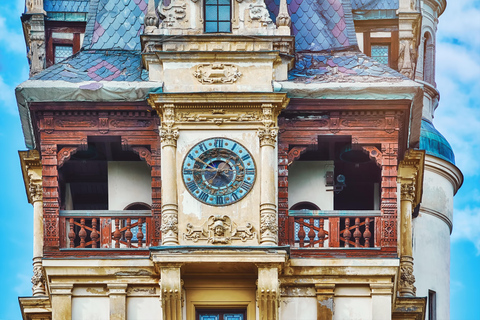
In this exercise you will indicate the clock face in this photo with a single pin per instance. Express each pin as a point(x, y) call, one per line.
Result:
point(218, 171)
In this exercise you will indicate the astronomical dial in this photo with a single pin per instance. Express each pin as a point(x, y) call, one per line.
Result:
point(218, 171)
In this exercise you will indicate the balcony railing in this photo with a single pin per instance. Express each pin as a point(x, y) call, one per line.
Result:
point(333, 228)
point(106, 228)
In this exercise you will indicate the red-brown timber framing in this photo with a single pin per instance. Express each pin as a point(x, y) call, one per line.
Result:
point(369, 123)
point(62, 129)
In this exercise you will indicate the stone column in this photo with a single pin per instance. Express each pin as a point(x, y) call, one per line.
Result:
point(171, 291)
point(325, 294)
point(32, 175)
point(268, 208)
point(118, 301)
point(169, 136)
point(407, 279)
point(410, 177)
point(61, 301)
point(268, 291)
point(381, 300)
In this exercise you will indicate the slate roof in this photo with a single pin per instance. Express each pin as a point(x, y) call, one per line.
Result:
point(340, 66)
point(374, 4)
point(66, 5)
point(114, 24)
point(319, 24)
point(97, 65)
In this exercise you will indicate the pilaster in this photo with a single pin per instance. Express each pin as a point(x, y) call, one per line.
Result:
point(381, 300)
point(61, 295)
point(409, 18)
point(268, 291)
point(325, 304)
point(410, 177)
point(268, 208)
point(171, 291)
point(118, 301)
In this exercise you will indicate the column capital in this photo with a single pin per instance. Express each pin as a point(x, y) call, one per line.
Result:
point(410, 176)
point(117, 288)
point(32, 174)
point(61, 288)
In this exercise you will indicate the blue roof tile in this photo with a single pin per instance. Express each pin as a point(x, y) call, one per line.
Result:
point(114, 24)
point(434, 143)
point(319, 25)
point(341, 66)
point(97, 65)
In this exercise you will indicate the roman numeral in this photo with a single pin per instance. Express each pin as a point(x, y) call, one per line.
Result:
point(187, 171)
point(245, 157)
point(219, 143)
point(219, 200)
point(234, 196)
point(246, 185)
point(203, 196)
point(250, 171)
point(234, 146)
point(191, 157)
point(202, 147)
point(192, 186)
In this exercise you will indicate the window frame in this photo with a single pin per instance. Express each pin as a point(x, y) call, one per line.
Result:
point(220, 311)
point(218, 21)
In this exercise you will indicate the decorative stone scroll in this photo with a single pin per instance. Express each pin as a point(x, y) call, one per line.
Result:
point(268, 132)
point(168, 134)
point(217, 73)
point(219, 230)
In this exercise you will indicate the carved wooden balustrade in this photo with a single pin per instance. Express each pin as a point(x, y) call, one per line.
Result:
point(334, 228)
point(105, 228)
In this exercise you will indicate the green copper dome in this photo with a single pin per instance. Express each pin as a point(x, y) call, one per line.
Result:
point(434, 143)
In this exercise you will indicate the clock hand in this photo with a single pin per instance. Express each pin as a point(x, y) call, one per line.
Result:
point(208, 165)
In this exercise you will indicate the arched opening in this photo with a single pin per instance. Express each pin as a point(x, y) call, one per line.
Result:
point(138, 206)
point(429, 59)
point(304, 205)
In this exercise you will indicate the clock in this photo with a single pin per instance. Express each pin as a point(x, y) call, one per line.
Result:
point(218, 171)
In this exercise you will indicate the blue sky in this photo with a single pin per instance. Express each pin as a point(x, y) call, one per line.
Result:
point(457, 117)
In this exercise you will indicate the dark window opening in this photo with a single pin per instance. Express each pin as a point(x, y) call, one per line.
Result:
point(220, 314)
point(83, 179)
point(432, 305)
point(218, 16)
point(334, 169)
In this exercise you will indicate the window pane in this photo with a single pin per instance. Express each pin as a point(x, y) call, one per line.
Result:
point(233, 316)
point(62, 52)
point(224, 13)
point(224, 2)
point(380, 53)
point(224, 27)
point(210, 2)
point(209, 317)
point(211, 27)
point(211, 13)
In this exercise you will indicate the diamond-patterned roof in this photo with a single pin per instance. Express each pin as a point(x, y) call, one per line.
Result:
point(319, 24)
point(114, 24)
point(66, 5)
point(344, 66)
point(374, 4)
point(97, 65)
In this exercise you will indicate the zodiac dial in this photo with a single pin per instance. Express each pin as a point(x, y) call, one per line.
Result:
point(218, 171)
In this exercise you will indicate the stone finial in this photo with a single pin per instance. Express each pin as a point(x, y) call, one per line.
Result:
point(151, 19)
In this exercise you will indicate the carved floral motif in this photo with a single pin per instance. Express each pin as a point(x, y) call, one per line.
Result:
point(219, 230)
point(38, 280)
point(217, 73)
point(268, 224)
point(169, 223)
point(268, 132)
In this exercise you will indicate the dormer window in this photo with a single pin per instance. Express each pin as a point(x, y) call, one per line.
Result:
point(218, 16)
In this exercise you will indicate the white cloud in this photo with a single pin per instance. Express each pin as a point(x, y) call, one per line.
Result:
point(11, 39)
point(466, 224)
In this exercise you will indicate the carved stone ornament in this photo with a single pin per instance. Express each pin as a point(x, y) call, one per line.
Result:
point(407, 279)
point(35, 189)
point(38, 281)
point(258, 11)
point(408, 190)
point(168, 134)
point(268, 133)
point(218, 116)
point(219, 230)
point(406, 63)
point(169, 224)
point(174, 14)
point(217, 73)
point(268, 224)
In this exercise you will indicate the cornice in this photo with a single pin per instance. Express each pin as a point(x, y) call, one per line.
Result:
point(445, 169)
